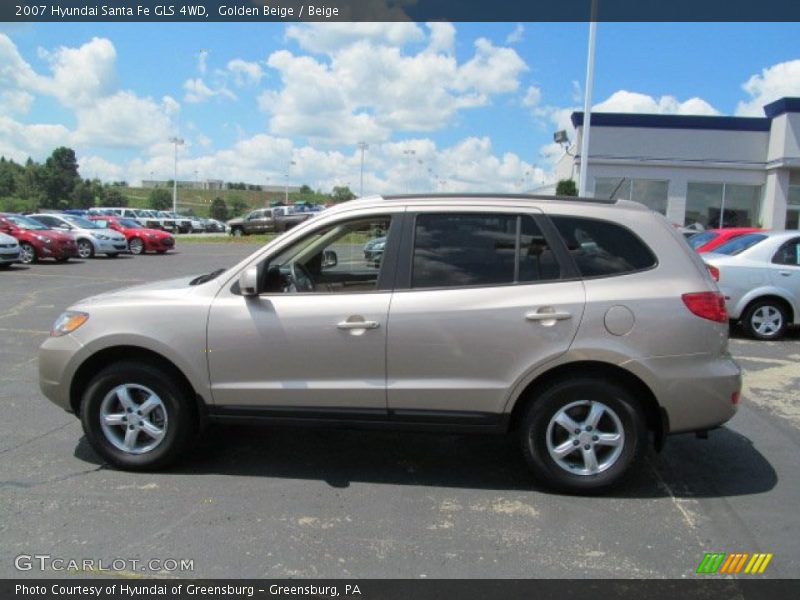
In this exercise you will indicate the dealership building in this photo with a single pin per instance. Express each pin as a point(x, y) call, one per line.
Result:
point(715, 171)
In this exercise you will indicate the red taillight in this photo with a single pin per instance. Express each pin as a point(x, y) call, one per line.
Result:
point(708, 305)
point(735, 397)
point(714, 272)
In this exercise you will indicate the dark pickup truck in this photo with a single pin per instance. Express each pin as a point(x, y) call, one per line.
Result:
point(267, 220)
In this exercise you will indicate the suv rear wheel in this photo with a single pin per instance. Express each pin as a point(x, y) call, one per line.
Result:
point(136, 417)
point(583, 435)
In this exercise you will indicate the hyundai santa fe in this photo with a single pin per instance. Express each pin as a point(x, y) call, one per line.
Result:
point(583, 327)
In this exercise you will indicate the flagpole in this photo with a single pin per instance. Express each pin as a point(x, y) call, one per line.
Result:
point(587, 105)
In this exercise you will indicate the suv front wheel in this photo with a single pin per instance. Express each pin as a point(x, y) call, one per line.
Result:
point(136, 417)
point(583, 435)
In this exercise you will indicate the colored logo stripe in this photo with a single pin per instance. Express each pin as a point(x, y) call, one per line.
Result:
point(711, 562)
point(758, 563)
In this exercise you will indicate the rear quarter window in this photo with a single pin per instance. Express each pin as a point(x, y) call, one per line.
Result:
point(602, 248)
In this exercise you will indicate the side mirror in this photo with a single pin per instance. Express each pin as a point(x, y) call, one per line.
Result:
point(248, 282)
point(329, 259)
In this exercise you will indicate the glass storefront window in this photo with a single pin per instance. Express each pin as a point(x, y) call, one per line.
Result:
point(715, 205)
point(793, 209)
point(651, 193)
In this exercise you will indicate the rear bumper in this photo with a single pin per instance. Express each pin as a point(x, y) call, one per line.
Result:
point(696, 392)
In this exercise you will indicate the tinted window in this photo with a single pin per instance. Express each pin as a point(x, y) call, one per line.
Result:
point(603, 248)
point(479, 249)
point(788, 254)
point(701, 239)
point(740, 244)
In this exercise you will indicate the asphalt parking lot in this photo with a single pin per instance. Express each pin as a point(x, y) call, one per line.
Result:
point(262, 502)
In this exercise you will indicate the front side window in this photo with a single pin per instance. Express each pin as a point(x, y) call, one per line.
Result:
point(454, 250)
point(343, 258)
point(602, 248)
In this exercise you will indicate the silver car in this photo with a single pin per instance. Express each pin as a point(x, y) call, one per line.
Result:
point(90, 237)
point(9, 250)
point(759, 274)
point(580, 326)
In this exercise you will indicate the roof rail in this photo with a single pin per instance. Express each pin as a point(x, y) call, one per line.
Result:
point(490, 196)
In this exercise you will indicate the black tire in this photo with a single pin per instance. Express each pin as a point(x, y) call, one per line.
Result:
point(765, 320)
point(63, 259)
point(237, 232)
point(536, 427)
point(27, 254)
point(112, 254)
point(136, 246)
point(180, 423)
point(85, 249)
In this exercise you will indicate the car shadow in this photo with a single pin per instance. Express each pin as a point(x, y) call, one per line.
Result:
point(727, 464)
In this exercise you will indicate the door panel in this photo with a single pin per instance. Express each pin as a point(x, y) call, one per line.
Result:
point(299, 350)
point(462, 349)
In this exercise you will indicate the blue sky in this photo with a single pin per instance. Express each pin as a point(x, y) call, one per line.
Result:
point(477, 103)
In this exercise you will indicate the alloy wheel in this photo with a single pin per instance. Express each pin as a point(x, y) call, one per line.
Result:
point(85, 249)
point(27, 254)
point(766, 320)
point(133, 418)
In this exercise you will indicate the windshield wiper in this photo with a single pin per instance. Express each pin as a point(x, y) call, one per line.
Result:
point(207, 277)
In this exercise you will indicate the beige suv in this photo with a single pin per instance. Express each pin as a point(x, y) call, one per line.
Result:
point(581, 326)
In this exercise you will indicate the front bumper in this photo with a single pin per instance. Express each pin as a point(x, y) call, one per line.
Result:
point(110, 246)
point(152, 245)
point(8, 257)
point(57, 360)
point(58, 251)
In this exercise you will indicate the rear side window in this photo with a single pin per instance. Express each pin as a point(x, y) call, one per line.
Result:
point(740, 244)
point(602, 248)
point(454, 250)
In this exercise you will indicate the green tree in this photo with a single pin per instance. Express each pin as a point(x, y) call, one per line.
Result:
point(305, 189)
point(219, 210)
point(342, 193)
point(83, 194)
point(113, 197)
point(160, 199)
point(566, 187)
point(59, 177)
point(238, 206)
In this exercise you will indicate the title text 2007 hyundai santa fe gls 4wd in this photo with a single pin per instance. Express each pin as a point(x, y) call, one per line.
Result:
point(581, 326)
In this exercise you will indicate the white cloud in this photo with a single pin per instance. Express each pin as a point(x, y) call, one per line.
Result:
point(91, 167)
point(15, 102)
point(516, 36)
point(366, 90)
point(532, 96)
point(19, 140)
point(123, 120)
point(197, 91)
point(633, 102)
point(777, 81)
point(202, 61)
point(244, 72)
point(328, 38)
point(81, 75)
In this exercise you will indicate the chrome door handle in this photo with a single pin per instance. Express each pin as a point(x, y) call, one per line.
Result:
point(785, 273)
point(358, 325)
point(547, 316)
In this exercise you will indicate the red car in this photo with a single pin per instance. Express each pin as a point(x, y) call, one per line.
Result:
point(140, 239)
point(36, 240)
point(708, 240)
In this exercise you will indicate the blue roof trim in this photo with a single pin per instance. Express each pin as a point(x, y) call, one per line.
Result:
point(779, 107)
point(674, 121)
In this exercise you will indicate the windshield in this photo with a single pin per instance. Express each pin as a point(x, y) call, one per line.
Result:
point(740, 244)
point(129, 223)
point(26, 223)
point(81, 223)
point(701, 239)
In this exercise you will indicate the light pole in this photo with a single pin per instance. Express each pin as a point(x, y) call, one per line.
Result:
point(178, 142)
point(409, 155)
point(362, 146)
point(286, 187)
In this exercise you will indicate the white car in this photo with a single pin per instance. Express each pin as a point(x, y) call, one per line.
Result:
point(90, 237)
point(9, 250)
point(759, 275)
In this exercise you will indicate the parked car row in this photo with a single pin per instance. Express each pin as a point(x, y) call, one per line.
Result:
point(156, 219)
point(61, 236)
point(758, 273)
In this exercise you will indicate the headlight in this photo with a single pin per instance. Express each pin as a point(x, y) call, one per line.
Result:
point(99, 236)
point(68, 322)
point(379, 246)
point(41, 238)
point(152, 236)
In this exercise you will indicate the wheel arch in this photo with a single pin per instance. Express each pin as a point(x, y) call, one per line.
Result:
point(655, 416)
point(107, 356)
